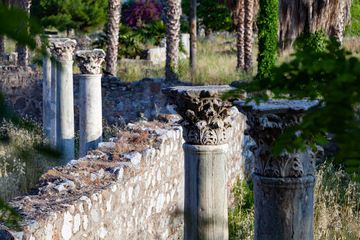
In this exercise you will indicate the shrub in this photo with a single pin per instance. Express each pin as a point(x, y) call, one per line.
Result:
point(212, 14)
point(65, 15)
point(141, 12)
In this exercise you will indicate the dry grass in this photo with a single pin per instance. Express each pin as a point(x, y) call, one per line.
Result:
point(20, 165)
point(337, 208)
point(337, 205)
point(137, 138)
point(216, 64)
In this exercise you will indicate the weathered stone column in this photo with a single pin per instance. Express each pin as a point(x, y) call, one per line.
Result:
point(206, 123)
point(89, 62)
point(63, 50)
point(284, 184)
point(46, 90)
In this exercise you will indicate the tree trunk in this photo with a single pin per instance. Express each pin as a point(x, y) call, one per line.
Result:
point(239, 18)
point(113, 27)
point(173, 13)
point(2, 47)
point(312, 15)
point(248, 34)
point(2, 38)
point(23, 51)
point(193, 36)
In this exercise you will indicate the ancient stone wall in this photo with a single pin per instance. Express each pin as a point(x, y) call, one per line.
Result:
point(138, 197)
point(122, 101)
point(22, 88)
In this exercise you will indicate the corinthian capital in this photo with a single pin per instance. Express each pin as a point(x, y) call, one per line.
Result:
point(89, 61)
point(62, 48)
point(206, 118)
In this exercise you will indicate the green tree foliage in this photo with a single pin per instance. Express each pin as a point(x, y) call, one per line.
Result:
point(267, 23)
point(213, 14)
point(16, 24)
point(65, 15)
point(331, 75)
point(354, 28)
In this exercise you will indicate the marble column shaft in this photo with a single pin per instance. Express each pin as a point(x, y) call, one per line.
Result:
point(90, 100)
point(62, 50)
point(206, 122)
point(46, 90)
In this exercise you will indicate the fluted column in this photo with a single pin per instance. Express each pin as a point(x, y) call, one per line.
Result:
point(90, 102)
point(206, 124)
point(63, 50)
point(284, 184)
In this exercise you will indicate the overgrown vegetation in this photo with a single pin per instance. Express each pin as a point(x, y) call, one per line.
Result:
point(21, 163)
point(333, 77)
point(337, 207)
point(241, 215)
point(213, 15)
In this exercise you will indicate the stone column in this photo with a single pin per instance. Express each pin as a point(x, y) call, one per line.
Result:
point(206, 122)
point(284, 184)
point(46, 90)
point(90, 102)
point(62, 50)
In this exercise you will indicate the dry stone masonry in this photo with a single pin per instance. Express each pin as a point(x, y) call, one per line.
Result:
point(139, 197)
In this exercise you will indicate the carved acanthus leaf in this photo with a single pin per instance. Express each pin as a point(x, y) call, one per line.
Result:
point(90, 61)
point(206, 118)
point(62, 48)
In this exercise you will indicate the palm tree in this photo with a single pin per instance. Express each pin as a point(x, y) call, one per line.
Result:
point(2, 46)
point(238, 13)
point(248, 34)
point(114, 11)
point(2, 38)
point(311, 16)
point(193, 36)
point(23, 51)
point(172, 15)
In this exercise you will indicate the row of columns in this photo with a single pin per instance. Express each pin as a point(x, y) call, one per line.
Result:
point(283, 185)
point(58, 97)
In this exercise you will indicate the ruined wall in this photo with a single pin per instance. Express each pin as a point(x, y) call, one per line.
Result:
point(139, 197)
point(122, 101)
point(23, 89)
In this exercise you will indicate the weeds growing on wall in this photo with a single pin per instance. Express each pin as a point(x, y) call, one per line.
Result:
point(267, 23)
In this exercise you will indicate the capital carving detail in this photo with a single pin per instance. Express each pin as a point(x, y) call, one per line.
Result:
point(265, 127)
point(90, 61)
point(62, 48)
point(206, 118)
